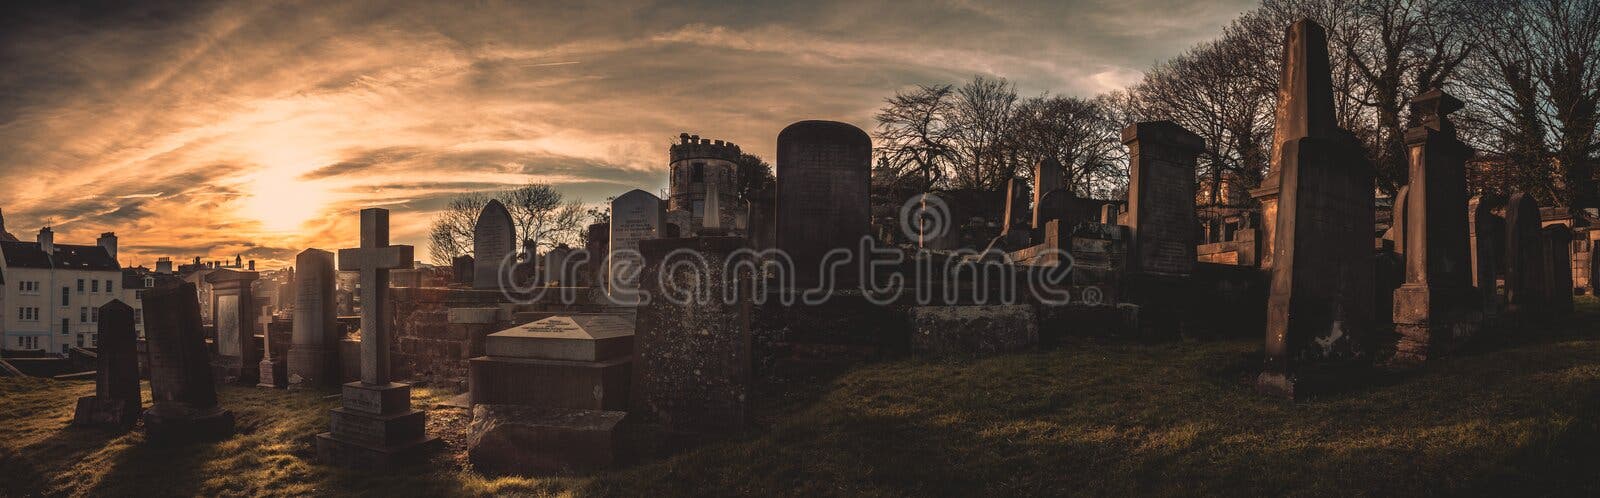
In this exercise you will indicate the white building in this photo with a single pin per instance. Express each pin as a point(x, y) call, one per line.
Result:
point(52, 293)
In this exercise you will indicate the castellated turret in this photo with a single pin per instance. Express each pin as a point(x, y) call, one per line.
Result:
point(700, 164)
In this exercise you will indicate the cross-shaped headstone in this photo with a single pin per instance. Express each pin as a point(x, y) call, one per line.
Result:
point(374, 259)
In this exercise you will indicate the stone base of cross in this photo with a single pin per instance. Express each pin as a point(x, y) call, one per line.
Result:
point(375, 426)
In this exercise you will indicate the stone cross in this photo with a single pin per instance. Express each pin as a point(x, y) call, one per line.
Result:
point(374, 259)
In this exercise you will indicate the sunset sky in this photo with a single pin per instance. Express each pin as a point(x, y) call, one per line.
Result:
point(261, 127)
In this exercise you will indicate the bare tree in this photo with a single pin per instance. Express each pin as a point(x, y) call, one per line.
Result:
point(542, 214)
point(1079, 133)
point(982, 122)
point(914, 134)
point(538, 212)
point(1534, 89)
point(450, 235)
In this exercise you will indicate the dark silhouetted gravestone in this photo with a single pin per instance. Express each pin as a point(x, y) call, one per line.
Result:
point(375, 426)
point(1557, 267)
point(461, 269)
point(1161, 224)
point(234, 312)
point(823, 172)
point(494, 238)
point(314, 353)
point(116, 392)
point(1161, 194)
point(1437, 308)
point(1524, 257)
point(1398, 221)
point(1320, 311)
point(1046, 179)
point(1485, 231)
point(182, 391)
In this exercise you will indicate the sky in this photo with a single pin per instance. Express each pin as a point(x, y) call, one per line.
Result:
point(261, 128)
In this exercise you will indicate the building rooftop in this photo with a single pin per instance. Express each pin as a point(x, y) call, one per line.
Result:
point(67, 256)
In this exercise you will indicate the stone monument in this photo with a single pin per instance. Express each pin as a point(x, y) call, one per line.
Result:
point(183, 394)
point(375, 427)
point(494, 240)
point(1046, 179)
point(573, 361)
point(1320, 311)
point(1484, 232)
point(1557, 267)
point(1306, 73)
point(824, 169)
point(116, 379)
point(233, 311)
point(692, 363)
point(314, 354)
point(1437, 308)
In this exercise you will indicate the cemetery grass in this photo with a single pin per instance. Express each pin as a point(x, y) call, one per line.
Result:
point(1517, 416)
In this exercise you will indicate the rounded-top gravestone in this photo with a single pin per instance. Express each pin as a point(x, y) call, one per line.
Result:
point(823, 172)
point(493, 238)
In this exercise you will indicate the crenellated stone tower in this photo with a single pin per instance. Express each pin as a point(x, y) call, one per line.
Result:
point(698, 166)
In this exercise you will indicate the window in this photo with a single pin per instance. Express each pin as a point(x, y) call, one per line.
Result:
point(28, 313)
point(64, 326)
point(149, 282)
point(138, 316)
point(94, 315)
point(28, 286)
point(80, 340)
point(30, 342)
point(108, 286)
point(697, 173)
point(83, 314)
point(94, 286)
point(80, 286)
point(65, 301)
point(138, 295)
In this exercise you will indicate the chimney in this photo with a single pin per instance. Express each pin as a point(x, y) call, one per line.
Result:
point(164, 265)
point(238, 261)
point(47, 240)
point(197, 261)
point(108, 241)
point(252, 265)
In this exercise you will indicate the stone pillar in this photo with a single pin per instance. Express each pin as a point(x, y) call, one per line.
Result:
point(233, 311)
point(314, 354)
point(1483, 230)
point(692, 353)
point(1558, 267)
point(375, 426)
point(116, 395)
point(1398, 221)
point(1046, 179)
point(1161, 223)
point(1436, 308)
point(183, 394)
point(1320, 312)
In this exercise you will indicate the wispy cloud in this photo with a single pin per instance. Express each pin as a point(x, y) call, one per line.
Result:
point(261, 127)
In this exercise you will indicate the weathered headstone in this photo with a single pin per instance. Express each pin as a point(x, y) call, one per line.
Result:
point(375, 426)
point(235, 317)
point(314, 355)
point(1320, 310)
point(1305, 109)
point(461, 269)
point(1052, 206)
point(1161, 197)
point(273, 368)
point(557, 269)
point(1161, 223)
point(635, 216)
point(1484, 230)
point(598, 246)
point(182, 391)
point(1437, 308)
point(1524, 257)
point(573, 361)
point(1046, 179)
point(824, 170)
point(692, 363)
point(1558, 267)
point(116, 380)
point(494, 240)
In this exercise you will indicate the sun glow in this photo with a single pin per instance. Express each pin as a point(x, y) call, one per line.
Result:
point(281, 203)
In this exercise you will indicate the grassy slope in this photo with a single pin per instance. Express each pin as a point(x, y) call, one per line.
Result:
point(1517, 417)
